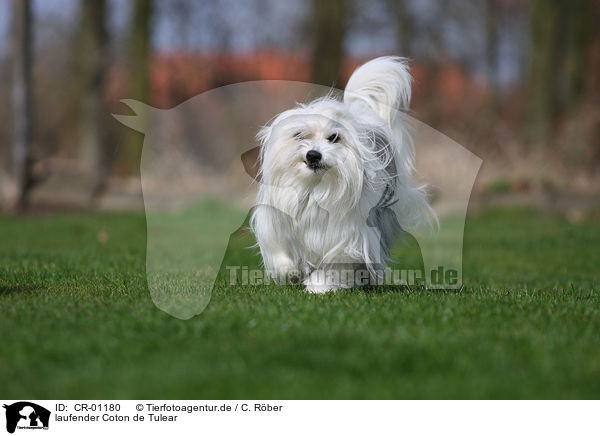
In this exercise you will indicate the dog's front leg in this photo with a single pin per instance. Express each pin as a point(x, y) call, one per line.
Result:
point(319, 282)
point(343, 274)
point(271, 228)
point(332, 279)
point(282, 268)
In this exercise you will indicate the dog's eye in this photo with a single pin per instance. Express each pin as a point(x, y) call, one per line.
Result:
point(333, 138)
point(299, 135)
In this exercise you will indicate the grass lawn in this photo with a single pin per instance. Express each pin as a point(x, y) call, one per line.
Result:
point(76, 321)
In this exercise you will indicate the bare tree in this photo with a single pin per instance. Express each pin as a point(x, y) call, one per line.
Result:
point(329, 19)
point(544, 75)
point(92, 57)
point(138, 88)
point(580, 36)
point(405, 27)
point(492, 17)
point(562, 35)
point(20, 171)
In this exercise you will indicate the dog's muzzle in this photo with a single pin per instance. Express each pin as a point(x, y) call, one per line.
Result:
point(313, 160)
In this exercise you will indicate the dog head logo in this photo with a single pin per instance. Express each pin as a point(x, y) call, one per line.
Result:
point(26, 415)
point(191, 155)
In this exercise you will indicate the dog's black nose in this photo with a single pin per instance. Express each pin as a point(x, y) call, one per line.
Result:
point(313, 156)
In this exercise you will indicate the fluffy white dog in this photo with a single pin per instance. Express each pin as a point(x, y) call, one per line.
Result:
point(336, 190)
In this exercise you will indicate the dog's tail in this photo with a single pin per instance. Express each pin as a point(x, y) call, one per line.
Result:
point(384, 84)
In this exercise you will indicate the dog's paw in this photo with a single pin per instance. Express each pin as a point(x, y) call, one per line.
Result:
point(319, 289)
point(285, 270)
point(317, 283)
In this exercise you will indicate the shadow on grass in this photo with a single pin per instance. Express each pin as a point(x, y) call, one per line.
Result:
point(18, 289)
point(386, 289)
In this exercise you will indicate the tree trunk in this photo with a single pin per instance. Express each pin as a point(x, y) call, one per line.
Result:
point(20, 170)
point(593, 86)
point(329, 20)
point(492, 15)
point(138, 87)
point(91, 73)
point(580, 34)
point(545, 81)
point(405, 28)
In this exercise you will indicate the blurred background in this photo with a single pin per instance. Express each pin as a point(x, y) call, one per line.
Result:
point(515, 81)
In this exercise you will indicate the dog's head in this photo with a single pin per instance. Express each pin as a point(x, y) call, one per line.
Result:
point(338, 149)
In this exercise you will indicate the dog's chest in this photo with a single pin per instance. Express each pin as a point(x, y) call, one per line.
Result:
point(312, 231)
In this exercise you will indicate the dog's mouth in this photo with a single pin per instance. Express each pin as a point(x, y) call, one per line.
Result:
point(315, 167)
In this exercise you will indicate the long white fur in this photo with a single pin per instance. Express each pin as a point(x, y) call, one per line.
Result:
point(305, 221)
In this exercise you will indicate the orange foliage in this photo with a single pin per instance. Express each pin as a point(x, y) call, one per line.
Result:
point(176, 77)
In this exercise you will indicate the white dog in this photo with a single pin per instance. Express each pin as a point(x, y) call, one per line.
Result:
point(331, 172)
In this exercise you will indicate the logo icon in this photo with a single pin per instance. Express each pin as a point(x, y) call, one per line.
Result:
point(26, 415)
point(197, 145)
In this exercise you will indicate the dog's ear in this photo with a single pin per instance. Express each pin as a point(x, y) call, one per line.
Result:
point(250, 160)
point(383, 84)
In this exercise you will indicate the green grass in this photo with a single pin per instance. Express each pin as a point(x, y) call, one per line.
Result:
point(76, 321)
